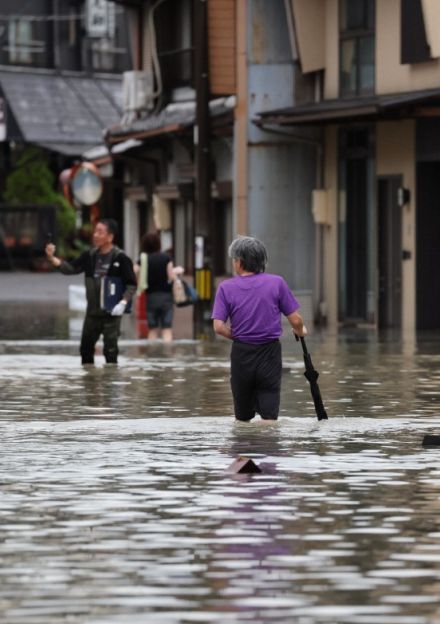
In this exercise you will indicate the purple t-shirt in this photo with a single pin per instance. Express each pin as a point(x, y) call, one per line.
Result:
point(254, 304)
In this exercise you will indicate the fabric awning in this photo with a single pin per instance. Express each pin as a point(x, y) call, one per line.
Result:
point(340, 110)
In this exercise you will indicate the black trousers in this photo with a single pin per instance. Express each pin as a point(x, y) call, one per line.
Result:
point(107, 325)
point(256, 379)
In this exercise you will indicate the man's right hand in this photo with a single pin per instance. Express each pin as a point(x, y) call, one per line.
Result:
point(50, 250)
point(50, 253)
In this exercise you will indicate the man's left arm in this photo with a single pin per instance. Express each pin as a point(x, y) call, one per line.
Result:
point(129, 278)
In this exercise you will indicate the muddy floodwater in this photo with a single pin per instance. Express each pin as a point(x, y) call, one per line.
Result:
point(116, 505)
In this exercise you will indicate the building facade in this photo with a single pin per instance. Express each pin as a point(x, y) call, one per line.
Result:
point(194, 163)
point(61, 63)
point(377, 70)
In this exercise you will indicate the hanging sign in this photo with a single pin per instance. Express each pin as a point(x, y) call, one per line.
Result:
point(100, 18)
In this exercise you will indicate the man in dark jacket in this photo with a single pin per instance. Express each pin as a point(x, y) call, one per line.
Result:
point(104, 260)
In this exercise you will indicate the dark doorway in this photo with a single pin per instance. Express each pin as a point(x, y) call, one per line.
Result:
point(428, 248)
point(389, 252)
point(356, 227)
point(356, 238)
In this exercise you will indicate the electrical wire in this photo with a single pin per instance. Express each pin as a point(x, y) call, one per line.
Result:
point(153, 47)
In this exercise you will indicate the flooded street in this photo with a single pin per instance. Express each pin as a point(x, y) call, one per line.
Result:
point(116, 505)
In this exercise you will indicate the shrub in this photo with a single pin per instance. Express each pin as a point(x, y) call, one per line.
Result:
point(32, 182)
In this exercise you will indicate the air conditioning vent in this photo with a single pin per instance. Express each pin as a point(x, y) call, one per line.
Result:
point(137, 88)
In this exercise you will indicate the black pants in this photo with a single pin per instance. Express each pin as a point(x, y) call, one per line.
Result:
point(256, 379)
point(94, 326)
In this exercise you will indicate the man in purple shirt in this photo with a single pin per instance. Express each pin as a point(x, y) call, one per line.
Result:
point(247, 310)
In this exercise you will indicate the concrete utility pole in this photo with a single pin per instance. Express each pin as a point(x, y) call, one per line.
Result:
point(203, 205)
point(241, 124)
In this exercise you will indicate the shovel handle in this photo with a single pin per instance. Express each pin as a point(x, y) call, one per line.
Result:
point(303, 343)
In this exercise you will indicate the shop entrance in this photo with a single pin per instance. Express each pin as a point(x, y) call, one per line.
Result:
point(428, 247)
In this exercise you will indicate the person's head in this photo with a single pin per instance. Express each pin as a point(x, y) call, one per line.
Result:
point(104, 233)
point(250, 253)
point(150, 242)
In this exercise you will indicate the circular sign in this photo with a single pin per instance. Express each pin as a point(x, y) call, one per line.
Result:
point(86, 184)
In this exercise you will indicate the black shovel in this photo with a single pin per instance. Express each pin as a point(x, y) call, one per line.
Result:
point(312, 377)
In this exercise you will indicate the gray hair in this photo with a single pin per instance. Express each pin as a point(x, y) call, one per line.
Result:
point(251, 252)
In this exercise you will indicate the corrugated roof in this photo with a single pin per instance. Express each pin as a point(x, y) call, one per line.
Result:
point(68, 149)
point(174, 118)
point(62, 110)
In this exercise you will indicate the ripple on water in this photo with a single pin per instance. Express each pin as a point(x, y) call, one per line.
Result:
point(116, 504)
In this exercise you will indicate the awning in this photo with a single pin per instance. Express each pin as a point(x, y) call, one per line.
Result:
point(100, 154)
point(62, 113)
point(173, 119)
point(399, 105)
point(68, 149)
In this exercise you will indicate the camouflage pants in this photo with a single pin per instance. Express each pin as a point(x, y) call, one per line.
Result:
point(94, 326)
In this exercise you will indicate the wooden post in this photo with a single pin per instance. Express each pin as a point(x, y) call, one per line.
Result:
point(203, 208)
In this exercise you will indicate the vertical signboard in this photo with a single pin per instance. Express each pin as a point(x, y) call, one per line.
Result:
point(100, 18)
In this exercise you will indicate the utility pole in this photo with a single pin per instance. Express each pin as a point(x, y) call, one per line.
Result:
point(203, 206)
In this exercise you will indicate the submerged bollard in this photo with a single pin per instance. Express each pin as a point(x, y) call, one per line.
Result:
point(431, 440)
point(244, 465)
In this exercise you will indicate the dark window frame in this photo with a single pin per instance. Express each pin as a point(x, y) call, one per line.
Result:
point(414, 46)
point(357, 35)
point(176, 57)
point(33, 50)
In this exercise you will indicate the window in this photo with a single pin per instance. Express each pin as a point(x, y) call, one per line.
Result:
point(24, 47)
point(174, 43)
point(414, 47)
point(357, 47)
point(108, 47)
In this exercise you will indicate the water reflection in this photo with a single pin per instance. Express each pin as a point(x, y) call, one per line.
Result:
point(116, 504)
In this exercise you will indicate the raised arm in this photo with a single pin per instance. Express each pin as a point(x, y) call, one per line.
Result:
point(68, 268)
point(50, 255)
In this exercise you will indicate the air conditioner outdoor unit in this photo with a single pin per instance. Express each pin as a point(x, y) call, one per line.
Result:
point(137, 88)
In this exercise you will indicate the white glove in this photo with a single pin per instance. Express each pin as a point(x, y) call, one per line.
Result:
point(119, 308)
